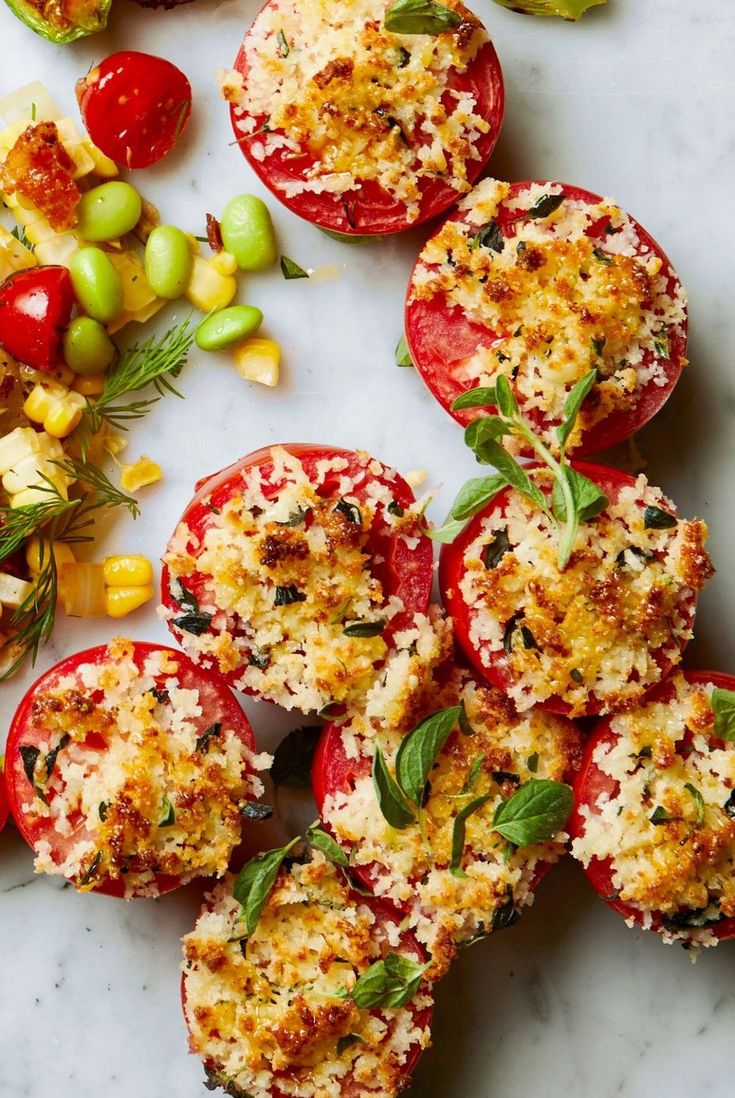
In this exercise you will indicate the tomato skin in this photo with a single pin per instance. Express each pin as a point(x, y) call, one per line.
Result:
point(17, 785)
point(440, 339)
point(451, 571)
point(407, 573)
point(375, 212)
point(35, 308)
point(4, 807)
point(591, 782)
point(135, 107)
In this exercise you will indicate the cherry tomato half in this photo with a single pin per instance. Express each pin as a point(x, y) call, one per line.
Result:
point(35, 308)
point(135, 107)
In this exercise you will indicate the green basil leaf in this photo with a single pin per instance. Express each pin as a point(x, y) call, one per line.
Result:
point(350, 511)
point(29, 755)
point(324, 842)
point(283, 47)
point(168, 815)
point(602, 257)
point(52, 756)
point(92, 869)
point(474, 495)
point(589, 499)
point(496, 549)
point(660, 816)
point(291, 269)
point(194, 623)
point(656, 519)
point(420, 17)
point(287, 594)
point(489, 236)
point(418, 751)
point(482, 432)
point(255, 881)
point(403, 355)
point(698, 801)
point(544, 207)
point(448, 532)
point(723, 707)
point(364, 629)
point(514, 474)
point(729, 806)
point(202, 743)
point(505, 915)
point(476, 769)
point(458, 833)
point(532, 762)
point(506, 399)
point(535, 813)
point(574, 402)
point(389, 983)
point(483, 396)
point(343, 1043)
point(182, 596)
point(293, 758)
point(391, 800)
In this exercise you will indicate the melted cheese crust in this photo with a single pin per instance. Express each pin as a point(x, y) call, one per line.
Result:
point(625, 597)
point(556, 301)
point(265, 1013)
point(331, 84)
point(260, 550)
point(412, 869)
point(130, 795)
point(687, 864)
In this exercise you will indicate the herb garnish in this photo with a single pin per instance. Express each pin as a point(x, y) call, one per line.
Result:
point(255, 810)
point(567, 9)
point(656, 519)
point(290, 269)
point(535, 813)
point(403, 356)
point(420, 17)
point(723, 707)
point(389, 983)
point(202, 742)
point(287, 594)
point(324, 842)
point(168, 815)
point(283, 46)
point(489, 236)
point(255, 881)
point(546, 205)
point(458, 833)
point(364, 629)
point(193, 620)
point(400, 799)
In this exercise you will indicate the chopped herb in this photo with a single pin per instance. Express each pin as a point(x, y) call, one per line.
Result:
point(598, 346)
point(464, 722)
point(194, 623)
point(505, 915)
point(168, 816)
point(495, 550)
point(458, 833)
point(50, 759)
point(576, 675)
point(546, 205)
point(161, 696)
point(501, 776)
point(532, 762)
point(19, 232)
point(402, 354)
point(729, 806)
point(255, 810)
point(29, 755)
point(290, 269)
point(660, 816)
point(476, 769)
point(296, 517)
point(103, 809)
point(287, 594)
point(489, 236)
point(394, 508)
point(91, 870)
point(656, 519)
point(259, 657)
point(698, 802)
point(203, 741)
point(602, 257)
point(526, 634)
point(283, 47)
point(351, 511)
point(343, 1043)
point(661, 344)
point(364, 629)
point(404, 56)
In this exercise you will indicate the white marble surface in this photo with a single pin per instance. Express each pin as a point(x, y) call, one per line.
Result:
point(636, 101)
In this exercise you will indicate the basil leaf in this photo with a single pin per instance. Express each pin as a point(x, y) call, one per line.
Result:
point(723, 707)
point(505, 915)
point(464, 722)
point(391, 800)
point(324, 842)
point(698, 801)
point(476, 494)
point(168, 816)
point(483, 396)
point(50, 759)
point(259, 657)
point(29, 755)
point(296, 517)
point(544, 207)
point(489, 236)
point(535, 813)
point(293, 758)
point(589, 500)
point(474, 773)
point(202, 743)
point(285, 595)
point(660, 816)
point(420, 17)
point(458, 833)
point(448, 532)
point(283, 47)
point(514, 474)
point(483, 431)
point(343, 1043)
point(161, 696)
point(350, 511)
point(389, 983)
point(532, 762)
point(506, 399)
point(290, 269)
point(194, 623)
point(496, 549)
point(91, 870)
point(602, 257)
point(656, 519)
point(574, 402)
point(394, 508)
point(255, 881)
point(403, 355)
point(418, 751)
point(182, 596)
point(255, 810)
point(364, 629)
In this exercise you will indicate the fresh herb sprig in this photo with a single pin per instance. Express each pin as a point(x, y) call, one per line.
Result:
point(420, 17)
point(723, 707)
point(574, 498)
point(255, 880)
point(389, 983)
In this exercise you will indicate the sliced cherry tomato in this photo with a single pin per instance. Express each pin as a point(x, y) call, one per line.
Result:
point(369, 209)
point(593, 783)
point(4, 807)
point(441, 338)
point(135, 107)
point(35, 308)
point(217, 704)
point(404, 572)
point(452, 570)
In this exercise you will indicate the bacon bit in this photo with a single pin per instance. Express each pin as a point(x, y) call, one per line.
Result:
point(339, 69)
point(214, 233)
point(39, 167)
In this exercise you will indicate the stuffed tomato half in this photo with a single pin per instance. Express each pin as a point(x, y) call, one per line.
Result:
point(591, 637)
point(128, 770)
point(461, 856)
point(320, 993)
point(540, 282)
point(296, 571)
point(654, 818)
point(366, 119)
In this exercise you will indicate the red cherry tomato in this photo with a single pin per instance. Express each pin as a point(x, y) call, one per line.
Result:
point(592, 783)
point(4, 807)
point(370, 209)
point(452, 570)
point(441, 337)
point(216, 701)
point(135, 107)
point(35, 308)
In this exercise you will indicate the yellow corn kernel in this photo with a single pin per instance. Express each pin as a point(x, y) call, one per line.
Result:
point(258, 360)
point(102, 164)
point(21, 442)
point(209, 290)
point(120, 601)
point(39, 403)
point(82, 589)
point(139, 475)
point(64, 417)
point(62, 553)
point(224, 263)
point(13, 591)
point(128, 571)
point(56, 407)
point(89, 384)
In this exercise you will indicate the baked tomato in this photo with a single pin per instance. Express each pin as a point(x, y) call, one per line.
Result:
point(4, 809)
point(540, 282)
point(292, 571)
point(358, 125)
point(654, 817)
point(318, 1040)
point(454, 877)
point(596, 635)
point(127, 769)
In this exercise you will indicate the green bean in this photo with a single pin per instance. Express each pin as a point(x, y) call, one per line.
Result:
point(96, 284)
point(168, 261)
point(109, 211)
point(227, 327)
point(247, 232)
point(87, 347)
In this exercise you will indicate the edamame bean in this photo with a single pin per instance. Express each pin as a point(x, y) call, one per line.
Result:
point(87, 347)
point(247, 232)
point(109, 211)
point(168, 261)
point(96, 284)
point(228, 327)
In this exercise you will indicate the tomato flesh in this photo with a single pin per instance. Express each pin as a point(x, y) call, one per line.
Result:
point(217, 703)
point(35, 308)
point(441, 338)
point(135, 107)
point(592, 782)
point(452, 570)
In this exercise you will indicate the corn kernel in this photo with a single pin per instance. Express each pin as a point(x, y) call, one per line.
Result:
point(13, 591)
point(64, 417)
point(224, 263)
point(258, 360)
point(139, 475)
point(209, 290)
point(29, 496)
point(89, 384)
point(128, 571)
point(120, 601)
point(38, 403)
point(56, 407)
point(102, 164)
point(62, 553)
